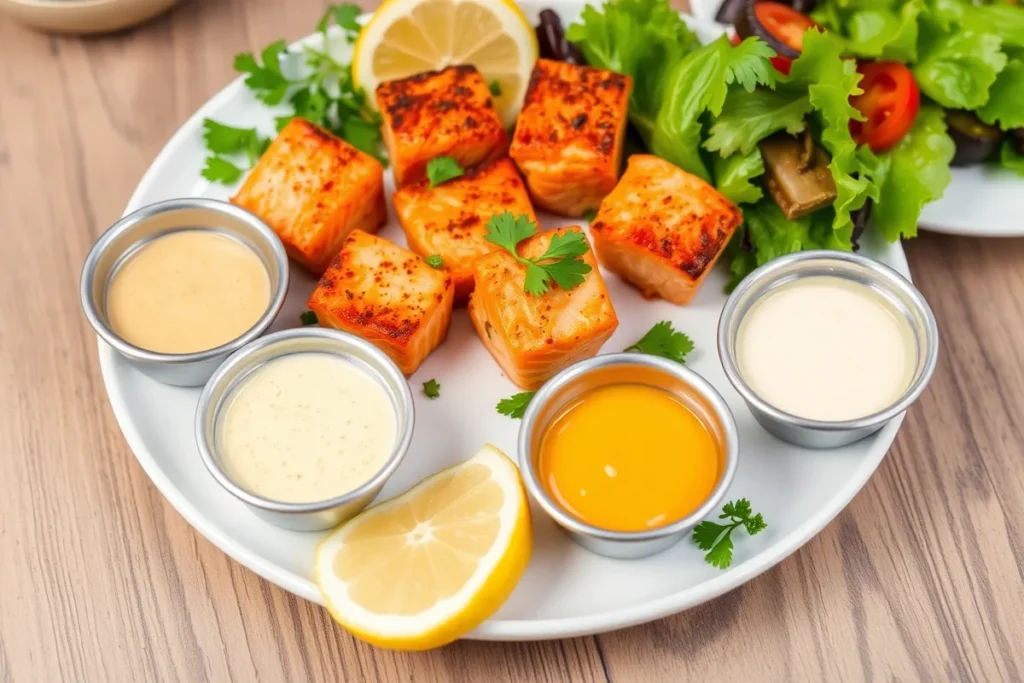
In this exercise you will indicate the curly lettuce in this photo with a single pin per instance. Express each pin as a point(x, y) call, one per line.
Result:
point(749, 117)
point(1010, 159)
point(1005, 105)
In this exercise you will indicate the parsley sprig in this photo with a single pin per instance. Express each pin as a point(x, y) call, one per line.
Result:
point(442, 169)
point(665, 341)
point(431, 388)
point(515, 405)
point(226, 141)
point(562, 263)
point(435, 261)
point(716, 538)
point(325, 94)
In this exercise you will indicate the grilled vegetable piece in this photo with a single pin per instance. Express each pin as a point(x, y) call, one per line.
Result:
point(797, 174)
point(388, 296)
point(439, 113)
point(662, 229)
point(450, 220)
point(313, 189)
point(533, 337)
point(569, 135)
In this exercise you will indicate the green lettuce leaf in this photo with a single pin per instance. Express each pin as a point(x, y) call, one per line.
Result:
point(912, 174)
point(1005, 106)
point(958, 57)
point(885, 33)
point(749, 117)
point(771, 235)
point(698, 87)
point(641, 38)
point(1009, 158)
point(733, 176)
point(829, 81)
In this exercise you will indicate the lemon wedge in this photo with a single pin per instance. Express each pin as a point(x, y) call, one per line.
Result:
point(407, 37)
point(425, 568)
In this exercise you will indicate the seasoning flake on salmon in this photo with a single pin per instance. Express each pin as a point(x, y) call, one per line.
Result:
point(569, 135)
point(533, 337)
point(450, 220)
point(313, 189)
point(439, 113)
point(387, 295)
point(662, 229)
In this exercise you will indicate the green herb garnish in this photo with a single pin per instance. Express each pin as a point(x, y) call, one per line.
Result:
point(431, 388)
point(663, 340)
point(495, 88)
point(589, 215)
point(221, 141)
point(716, 538)
point(435, 261)
point(308, 318)
point(442, 169)
point(562, 262)
point(515, 406)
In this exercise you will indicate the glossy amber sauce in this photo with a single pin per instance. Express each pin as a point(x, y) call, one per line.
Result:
point(629, 457)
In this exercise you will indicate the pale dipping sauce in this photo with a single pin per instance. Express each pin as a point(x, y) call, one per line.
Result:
point(188, 291)
point(826, 348)
point(305, 428)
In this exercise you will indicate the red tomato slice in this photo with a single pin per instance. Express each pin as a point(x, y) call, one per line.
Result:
point(784, 23)
point(782, 64)
point(889, 104)
point(734, 38)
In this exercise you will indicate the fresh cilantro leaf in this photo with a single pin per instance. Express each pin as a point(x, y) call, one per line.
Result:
point(431, 388)
point(223, 139)
point(748, 64)
point(345, 16)
point(716, 539)
point(515, 406)
point(495, 88)
point(265, 79)
point(364, 136)
point(589, 215)
point(220, 170)
point(308, 318)
point(663, 340)
point(442, 169)
point(435, 261)
point(562, 263)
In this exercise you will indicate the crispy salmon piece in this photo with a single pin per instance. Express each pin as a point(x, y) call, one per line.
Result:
point(662, 229)
point(533, 337)
point(439, 113)
point(450, 220)
point(388, 296)
point(569, 135)
point(313, 189)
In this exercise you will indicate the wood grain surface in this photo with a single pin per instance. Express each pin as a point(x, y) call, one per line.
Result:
point(920, 579)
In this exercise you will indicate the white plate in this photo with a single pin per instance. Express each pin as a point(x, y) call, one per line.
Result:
point(981, 201)
point(566, 591)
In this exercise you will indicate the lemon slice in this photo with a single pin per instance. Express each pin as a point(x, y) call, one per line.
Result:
point(406, 37)
point(425, 568)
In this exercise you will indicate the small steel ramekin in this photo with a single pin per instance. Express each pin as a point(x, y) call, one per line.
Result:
point(135, 230)
point(321, 514)
point(625, 368)
point(886, 283)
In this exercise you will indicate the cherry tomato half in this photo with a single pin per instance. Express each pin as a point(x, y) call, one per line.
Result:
point(889, 104)
point(781, 64)
point(784, 23)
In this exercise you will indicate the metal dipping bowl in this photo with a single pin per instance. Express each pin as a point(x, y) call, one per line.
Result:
point(128, 235)
point(317, 515)
point(884, 282)
point(626, 368)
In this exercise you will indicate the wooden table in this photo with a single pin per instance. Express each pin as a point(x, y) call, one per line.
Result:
point(920, 579)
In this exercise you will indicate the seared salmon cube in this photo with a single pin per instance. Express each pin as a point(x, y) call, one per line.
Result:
point(313, 189)
point(569, 135)
point(387, 295)
point(439, 113)
point(532, 337)
point(662, 229)
point(450, 220)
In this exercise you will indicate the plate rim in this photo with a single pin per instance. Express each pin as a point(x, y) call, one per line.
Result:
point(492, 629)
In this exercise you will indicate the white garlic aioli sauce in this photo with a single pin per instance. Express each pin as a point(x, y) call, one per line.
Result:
point(305, 428)
point(825, 348)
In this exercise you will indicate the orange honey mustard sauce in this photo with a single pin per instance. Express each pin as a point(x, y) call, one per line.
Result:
point(629, 457)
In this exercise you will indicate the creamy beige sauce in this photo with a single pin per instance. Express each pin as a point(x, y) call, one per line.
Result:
point(188, 291)
point(825, 348)
point(306, 427)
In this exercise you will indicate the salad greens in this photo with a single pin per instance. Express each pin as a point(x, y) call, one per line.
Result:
point(707, 108)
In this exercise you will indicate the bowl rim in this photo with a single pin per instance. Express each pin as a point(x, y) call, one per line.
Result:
point(677, 371)
point(768, 275)
point(387, 374)
point(140, 216)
